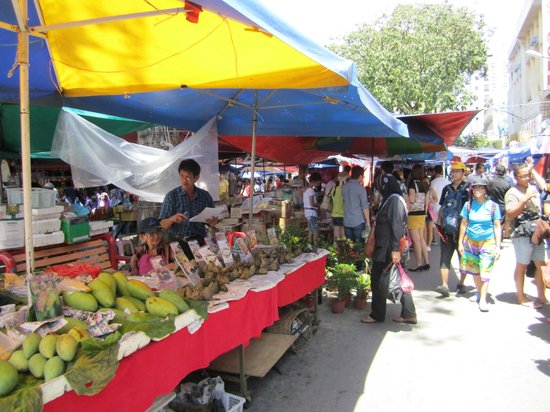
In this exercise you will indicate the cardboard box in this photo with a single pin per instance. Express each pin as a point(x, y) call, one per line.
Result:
point(76, 229)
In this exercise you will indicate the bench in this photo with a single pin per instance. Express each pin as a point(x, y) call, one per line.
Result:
point(99, 251)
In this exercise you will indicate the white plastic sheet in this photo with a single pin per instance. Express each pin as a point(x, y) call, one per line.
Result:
point(98, 158)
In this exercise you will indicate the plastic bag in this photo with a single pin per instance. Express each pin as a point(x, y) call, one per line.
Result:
point(390, 283)
point(406, 283)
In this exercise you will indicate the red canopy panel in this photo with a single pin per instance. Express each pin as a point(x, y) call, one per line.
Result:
point(284, 149)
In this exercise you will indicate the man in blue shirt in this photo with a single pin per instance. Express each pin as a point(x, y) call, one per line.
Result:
point(184, 202)
point(356, 206)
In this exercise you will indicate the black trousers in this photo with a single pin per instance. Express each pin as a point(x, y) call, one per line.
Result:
point(378, 304)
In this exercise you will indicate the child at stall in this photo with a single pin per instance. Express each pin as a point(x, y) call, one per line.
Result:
point(311, 207)
point(151, 235)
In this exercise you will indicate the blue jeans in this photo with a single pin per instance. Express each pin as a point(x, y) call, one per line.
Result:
point(354, 233)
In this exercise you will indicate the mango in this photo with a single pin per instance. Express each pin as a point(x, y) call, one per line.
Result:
point(30, 344)
point(119, 314)
point(47, 346)
point(108, 279)
point(80, 300)
point(8, 377)
point(175, 299)
point(72, 323)
point(160, 307)
point(121, 284)
point(140, 317)
point(53, 368)
point(79, 334)
point(125, 305)
point(66, 347)
point(18, 360)
point(103, 293)
point(139, 290)
point(139, 304)
point(36, 365)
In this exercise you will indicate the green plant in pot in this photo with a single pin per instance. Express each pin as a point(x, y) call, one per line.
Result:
point(362, 285)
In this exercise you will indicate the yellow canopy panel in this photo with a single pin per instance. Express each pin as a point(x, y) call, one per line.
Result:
point(166, 51)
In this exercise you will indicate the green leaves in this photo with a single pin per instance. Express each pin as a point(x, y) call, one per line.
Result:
point(95, 366)
point(27, 395)
point(155, 330)
point(420, 58)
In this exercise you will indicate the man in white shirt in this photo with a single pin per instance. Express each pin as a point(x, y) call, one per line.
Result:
point(437, 184)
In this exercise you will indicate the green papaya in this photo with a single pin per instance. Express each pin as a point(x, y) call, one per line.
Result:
point(30, 344)
point(72, 323)
point(175, 299)
point(121, 284)
point(18, 360)
point(36, 365)
point(125, 305)
point(119, 314)
point(139, 290)
point(160, 307)
point(66, 347)
point(80, 300)
point(139, 303)
point(47, 345)
point(53, 368)
point(8, 377)
point(103, 293)
point(108, 278)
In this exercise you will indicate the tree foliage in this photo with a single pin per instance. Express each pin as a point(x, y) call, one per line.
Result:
point(477, 141)
point(420, 58)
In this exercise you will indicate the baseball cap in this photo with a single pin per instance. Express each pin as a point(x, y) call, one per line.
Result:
point(458, 166)
point(149, 225)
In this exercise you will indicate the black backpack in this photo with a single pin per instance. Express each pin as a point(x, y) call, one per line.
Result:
point(450, 211)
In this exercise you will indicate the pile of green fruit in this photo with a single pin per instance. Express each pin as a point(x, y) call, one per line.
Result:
point(116, 293)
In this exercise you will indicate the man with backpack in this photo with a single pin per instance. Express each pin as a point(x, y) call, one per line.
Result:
point(453, 199)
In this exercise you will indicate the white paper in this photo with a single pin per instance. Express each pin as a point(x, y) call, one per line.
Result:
point(210, 212)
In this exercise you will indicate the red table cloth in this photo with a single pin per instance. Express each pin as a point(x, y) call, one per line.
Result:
point(157, 368)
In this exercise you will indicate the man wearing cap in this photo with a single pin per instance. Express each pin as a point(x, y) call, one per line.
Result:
point(453, 197)
point(479, 173)
point(523, 207)
point(497, 188)
point(184, 202)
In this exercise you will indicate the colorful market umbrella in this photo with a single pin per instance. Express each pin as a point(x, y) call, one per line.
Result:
point(129, 49)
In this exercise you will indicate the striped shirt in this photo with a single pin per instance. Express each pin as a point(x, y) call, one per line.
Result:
point(178, 201)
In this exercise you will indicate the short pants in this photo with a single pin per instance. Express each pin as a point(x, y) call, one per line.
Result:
point(526, 251)
point(478, 258)
point(312, 223)
point(337, 221)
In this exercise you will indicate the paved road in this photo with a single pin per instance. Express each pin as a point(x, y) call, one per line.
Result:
point(455, 359)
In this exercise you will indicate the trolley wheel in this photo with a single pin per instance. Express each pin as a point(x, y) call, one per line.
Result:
point(302, 327)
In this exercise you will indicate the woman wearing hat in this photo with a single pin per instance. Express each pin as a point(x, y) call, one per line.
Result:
point(151, 235)
point(479, 239)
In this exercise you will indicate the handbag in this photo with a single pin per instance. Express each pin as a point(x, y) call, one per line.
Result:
point(369, 244)
point(326, 203)
point(390, 283)
point(406, 283)
point(542, 230)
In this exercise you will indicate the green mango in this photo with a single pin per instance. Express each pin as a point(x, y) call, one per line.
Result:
point(175, 299)
point(139, 290)
point(103, 293)
point(30, 344)
point(140, 317)
point(53, 368)
point(124, 304)
point(80, 300)
point(47, 345)
point(139, 304)
point(108, 278)
point(121, 284)
point(66, 347)
point(160, 307)
point(18, 360)
point(8, 377)
point(36, 365)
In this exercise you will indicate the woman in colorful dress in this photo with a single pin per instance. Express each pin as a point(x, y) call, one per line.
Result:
point(479, 239)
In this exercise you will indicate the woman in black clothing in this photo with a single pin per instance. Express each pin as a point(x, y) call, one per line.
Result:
point(390, 229)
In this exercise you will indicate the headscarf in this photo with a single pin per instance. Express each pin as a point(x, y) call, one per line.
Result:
point(388, 185)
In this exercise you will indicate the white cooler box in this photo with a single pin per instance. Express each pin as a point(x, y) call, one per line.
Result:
point(47, 239)
point(53, 212)
point(12, 234)
point(100, 226)
point(46, 226)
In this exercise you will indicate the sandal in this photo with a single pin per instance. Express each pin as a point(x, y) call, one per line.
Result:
point(368, 319)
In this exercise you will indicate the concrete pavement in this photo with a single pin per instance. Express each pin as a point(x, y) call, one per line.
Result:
point(457, 358)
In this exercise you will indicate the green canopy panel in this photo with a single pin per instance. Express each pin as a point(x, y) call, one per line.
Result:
point(43, 120)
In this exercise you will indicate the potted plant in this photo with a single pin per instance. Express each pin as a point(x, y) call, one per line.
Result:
point(343, 278)
point(362, 289)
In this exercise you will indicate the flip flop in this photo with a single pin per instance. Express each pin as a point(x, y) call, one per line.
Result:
point(368, 319)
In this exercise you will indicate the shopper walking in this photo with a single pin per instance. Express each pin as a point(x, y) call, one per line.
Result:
point(356, 206)
point(389, 233)
point(417, 204)
point(479, 239)
point(497, 188)
point(453, 199)
point(522, 207)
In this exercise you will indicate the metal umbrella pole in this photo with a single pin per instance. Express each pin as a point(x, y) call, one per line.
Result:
point(253, 160)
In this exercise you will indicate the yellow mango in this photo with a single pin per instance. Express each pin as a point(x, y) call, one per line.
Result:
point(175, 299)
point(66, 347)
point(108, 278)
point(139, 290)
point(47, 345)
point(125, 305)
point(80, 300)
point(160, 307)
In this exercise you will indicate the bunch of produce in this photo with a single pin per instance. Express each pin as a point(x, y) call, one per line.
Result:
point(270, 258)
